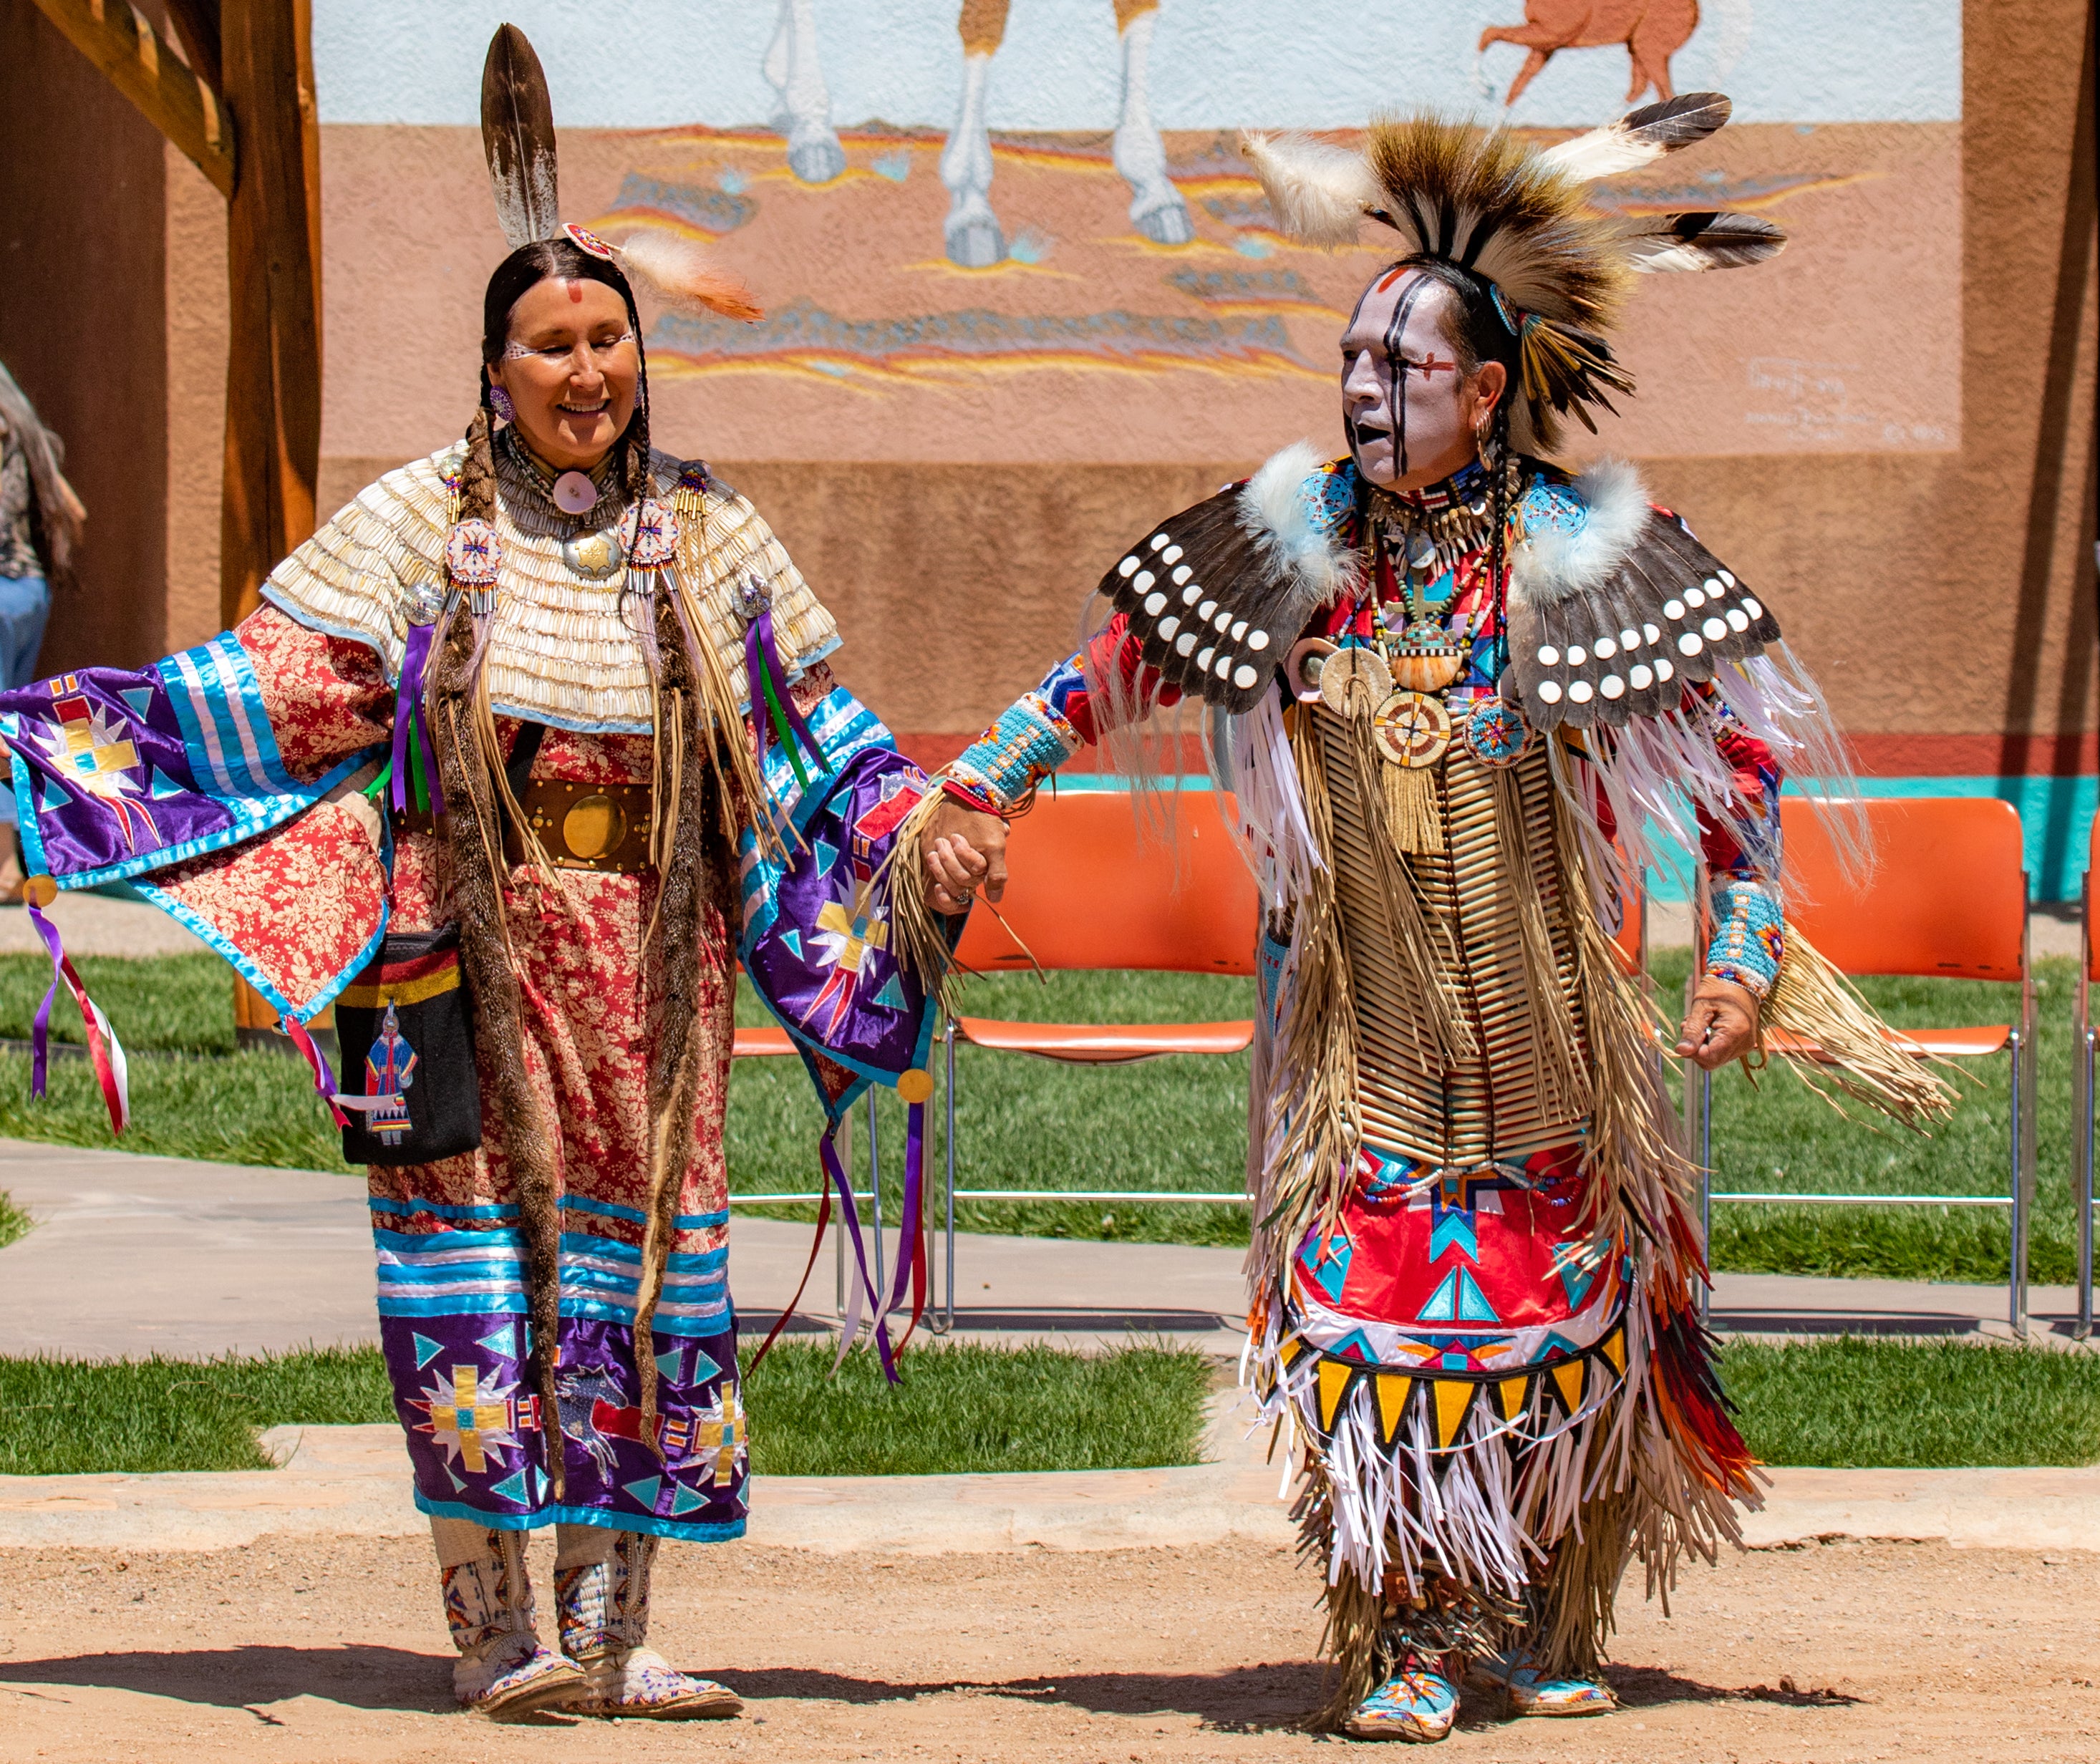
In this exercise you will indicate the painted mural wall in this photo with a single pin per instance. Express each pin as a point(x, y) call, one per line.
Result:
point(1020, 229)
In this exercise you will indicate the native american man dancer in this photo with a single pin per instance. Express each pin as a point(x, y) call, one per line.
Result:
point(545, 639)
point(1442, 676)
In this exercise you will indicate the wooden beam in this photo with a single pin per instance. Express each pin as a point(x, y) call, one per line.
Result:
point(273, 376)
point(121, 40)
point(195, 22)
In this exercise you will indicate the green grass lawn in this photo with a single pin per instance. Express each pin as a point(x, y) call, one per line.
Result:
point(960, 1408)
point(1903, 1405)
point(1159, 1125)
point(1849, 1402)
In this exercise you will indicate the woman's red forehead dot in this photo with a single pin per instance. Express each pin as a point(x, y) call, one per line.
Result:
point(576, 291)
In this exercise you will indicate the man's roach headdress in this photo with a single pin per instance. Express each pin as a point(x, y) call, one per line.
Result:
point(1522, 221)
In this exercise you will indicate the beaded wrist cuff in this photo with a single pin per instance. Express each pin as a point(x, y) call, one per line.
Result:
point(1749, 932)
point(1004, 763)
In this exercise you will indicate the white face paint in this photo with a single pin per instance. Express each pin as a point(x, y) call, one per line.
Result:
point(1409, 416)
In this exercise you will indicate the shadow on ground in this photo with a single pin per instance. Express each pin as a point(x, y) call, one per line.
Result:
point(359, 1677)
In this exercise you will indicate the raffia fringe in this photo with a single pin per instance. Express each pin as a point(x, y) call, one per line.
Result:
point(1812, 1002)
point(917, 931)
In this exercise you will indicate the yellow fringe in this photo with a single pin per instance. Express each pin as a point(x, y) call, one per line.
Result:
point(915, 929)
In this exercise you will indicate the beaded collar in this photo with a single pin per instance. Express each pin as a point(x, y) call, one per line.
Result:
point(540, 476)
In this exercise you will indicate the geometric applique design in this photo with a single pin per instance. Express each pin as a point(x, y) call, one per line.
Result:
point(668, 1364)
point(1514, 1394)
point(1443, 1306)
point(140, 698)
point(1458, 1299)
point(1567, 1380)
point(426, 1350)
point(793, 939)
point(473, 1422)
point(1389, 1394)
point(826, 855)
point(1453, 1228)
point(1557, 1343)
point(1356, 1346)
point(458, 1481)
point(705, 1366)
point(1613, 1347)
point(512, 1488)
point(1330, 1266)
point(162, 786)
point(499, 1342)
point(645, 1491)
point(1334, 1380)
point(891, 997)
point(1453, 1397)
point(683, 1500)
point(1576, 1280)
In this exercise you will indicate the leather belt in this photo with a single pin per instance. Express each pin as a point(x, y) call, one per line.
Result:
point(585, 826)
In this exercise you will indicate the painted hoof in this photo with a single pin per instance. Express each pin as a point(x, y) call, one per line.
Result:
point(1415, 1704)
point(641, 1685)
point(523, 1685)
point(1531, 1695)
point(1162, 218)
point(815, 156)
point(975, 242)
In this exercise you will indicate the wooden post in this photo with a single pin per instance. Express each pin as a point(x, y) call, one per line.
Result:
point(273, 381)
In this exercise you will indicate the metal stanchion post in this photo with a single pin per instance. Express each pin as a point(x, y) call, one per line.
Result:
point(838, 1232)
point(951, 1288)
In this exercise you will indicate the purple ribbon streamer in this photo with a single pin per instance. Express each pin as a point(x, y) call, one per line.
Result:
point(40, 1033)
point(761, 659)
point(408, 708)
point(795, 722)
point(755, 667)
point(915, 1172)
point(828, 1146)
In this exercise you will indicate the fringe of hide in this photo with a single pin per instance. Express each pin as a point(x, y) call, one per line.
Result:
point(1812, 1001)
point(1525, 1526)
point(692, 876)
point(467, 766)
point(918, 936)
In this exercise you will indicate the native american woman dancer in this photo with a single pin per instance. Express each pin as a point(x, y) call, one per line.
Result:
point(1443, 677)
point(487, 741)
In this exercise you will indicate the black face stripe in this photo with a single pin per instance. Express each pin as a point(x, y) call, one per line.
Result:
point(1397, 372)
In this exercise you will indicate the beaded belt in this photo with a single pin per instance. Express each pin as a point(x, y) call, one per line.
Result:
point(585, 826)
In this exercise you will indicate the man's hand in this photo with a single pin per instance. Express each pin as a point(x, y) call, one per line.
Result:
point(1720, 1025)
point(963, 851)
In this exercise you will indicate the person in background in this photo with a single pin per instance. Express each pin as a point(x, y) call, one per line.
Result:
point(40, 523)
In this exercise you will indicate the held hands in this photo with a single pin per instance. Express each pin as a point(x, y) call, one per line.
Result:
point(1720, 1026)
point(964, 852)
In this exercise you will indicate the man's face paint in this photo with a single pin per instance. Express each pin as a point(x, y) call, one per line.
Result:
point(1402, 402)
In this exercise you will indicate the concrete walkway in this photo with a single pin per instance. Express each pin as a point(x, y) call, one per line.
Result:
point(133, 1256)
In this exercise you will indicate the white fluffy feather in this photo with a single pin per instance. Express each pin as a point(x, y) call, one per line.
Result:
point(1603, 153)
point(1551, 564)
point(1319, 192)
point(1274, 511)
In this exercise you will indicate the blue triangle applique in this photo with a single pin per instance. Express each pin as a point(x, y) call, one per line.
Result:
point(512, 1488)
point(426, 1350)
point(1355, 1346)
point(50, 789)
point(667, 1364)
point(683, 1500)
point(793, 939)
point(705, 1366)
point(1443, 1306)
point(459, 1483)
point(828, 854)
point(163, 787)
point(1453, 1226)
point(498, 1343)
point(140, 698)
point(644, 1493)
point(1473, 1306)
point(1559, 1345)
point(1576, 1282)
point(892, 997)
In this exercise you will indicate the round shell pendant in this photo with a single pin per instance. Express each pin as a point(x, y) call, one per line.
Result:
point(575, 494)
point(1360, 672)
point(1496, 733)
point(1425, 659)
point(1413, 729)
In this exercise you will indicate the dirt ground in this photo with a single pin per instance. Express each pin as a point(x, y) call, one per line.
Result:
point(298, 1650)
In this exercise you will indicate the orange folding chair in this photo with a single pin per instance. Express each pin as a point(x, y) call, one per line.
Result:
point(1947, 900)
point(1089, 891)
point(2088, 971)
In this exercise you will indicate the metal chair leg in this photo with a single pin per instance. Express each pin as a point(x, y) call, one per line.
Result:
point(950, 1323)
point(2081, 1186)
point(875, 1186)
point(2016, 1270)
